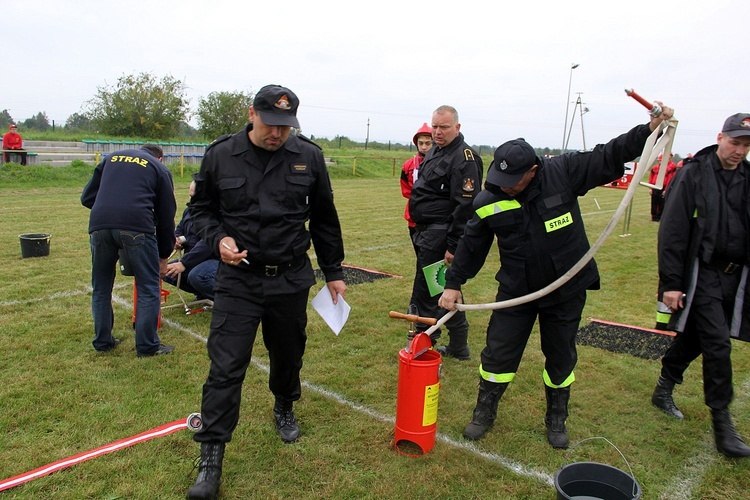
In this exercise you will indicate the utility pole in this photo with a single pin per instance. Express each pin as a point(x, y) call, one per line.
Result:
point(567, 106)
point(583, 110)
point(367, 139)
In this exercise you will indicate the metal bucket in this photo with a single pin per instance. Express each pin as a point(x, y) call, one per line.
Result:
point(595, 481)
point(34, 244)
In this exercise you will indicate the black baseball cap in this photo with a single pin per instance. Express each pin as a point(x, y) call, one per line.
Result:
point(737, 125)
point(512, 160)
point(277, 106)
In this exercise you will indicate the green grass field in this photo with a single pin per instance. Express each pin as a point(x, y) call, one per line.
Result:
point(60, 398)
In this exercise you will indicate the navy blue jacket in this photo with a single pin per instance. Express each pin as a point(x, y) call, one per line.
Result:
point(133, 191)
point(196, 251)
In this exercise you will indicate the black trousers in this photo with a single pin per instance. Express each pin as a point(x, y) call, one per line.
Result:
point(509, 330)
point(230, 347)
point(657, 204)
point(431, 246)
point(707, 333)
point(16, 154)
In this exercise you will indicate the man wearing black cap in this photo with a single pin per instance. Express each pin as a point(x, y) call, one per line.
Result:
point(531, 205)
point(254, 194)
point(703, 264)
point(440, 205)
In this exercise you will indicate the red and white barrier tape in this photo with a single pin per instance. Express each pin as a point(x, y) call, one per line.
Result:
point(163, 430)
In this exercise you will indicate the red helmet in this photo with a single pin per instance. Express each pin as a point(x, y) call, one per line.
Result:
point(424, 130)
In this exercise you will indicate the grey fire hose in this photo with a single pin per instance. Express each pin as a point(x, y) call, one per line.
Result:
point(654, 145)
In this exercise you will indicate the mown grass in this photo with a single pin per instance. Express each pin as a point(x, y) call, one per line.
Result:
point(59, 398)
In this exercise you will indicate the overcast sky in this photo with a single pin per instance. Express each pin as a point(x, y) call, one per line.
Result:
point(504, 65)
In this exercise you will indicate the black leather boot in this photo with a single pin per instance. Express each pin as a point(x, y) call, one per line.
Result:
point(286, 422)
point(209, 472)
point(728, 442)
point(557, 413)
point(457, 347)
point(486, 410)
point(662, 398)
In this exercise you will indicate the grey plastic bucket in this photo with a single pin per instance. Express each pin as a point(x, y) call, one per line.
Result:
point(595, 481)
point(34, 244)
point(591, 480)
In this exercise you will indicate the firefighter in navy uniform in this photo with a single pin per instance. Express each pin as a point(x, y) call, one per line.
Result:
point(254, 194)
point(440, 204)
point(531, 205)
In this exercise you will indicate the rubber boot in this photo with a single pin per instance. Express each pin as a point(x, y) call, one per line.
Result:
point(457, 347)
point(728, 442)
point(209, 472)
point(662, 398)
point(486, 410)
point(286, 422)
point(557, 413)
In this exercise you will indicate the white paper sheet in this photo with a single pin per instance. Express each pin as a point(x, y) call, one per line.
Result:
point(335, 315)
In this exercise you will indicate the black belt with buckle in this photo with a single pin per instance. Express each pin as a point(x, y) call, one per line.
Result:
point(268, 270)
point(725, 266)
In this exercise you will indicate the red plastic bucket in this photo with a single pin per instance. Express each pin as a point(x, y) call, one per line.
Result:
point(417, 399)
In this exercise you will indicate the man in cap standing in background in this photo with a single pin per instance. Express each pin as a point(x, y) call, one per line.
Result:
point(703, 263)
point(255, 192)
point(531, 205)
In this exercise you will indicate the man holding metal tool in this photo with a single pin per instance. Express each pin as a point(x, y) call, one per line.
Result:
point(531, 205)
point(703, 264)
point(255, 193)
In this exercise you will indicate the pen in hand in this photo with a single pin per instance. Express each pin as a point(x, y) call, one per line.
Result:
point(230, 249)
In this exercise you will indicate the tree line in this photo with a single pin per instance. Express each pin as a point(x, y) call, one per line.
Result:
point(141, 105)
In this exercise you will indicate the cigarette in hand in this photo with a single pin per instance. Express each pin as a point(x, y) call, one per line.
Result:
point(230, 249)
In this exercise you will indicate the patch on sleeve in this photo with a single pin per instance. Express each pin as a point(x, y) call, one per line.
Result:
point(468, 185)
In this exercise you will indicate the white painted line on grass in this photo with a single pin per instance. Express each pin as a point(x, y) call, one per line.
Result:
point(691, 475)
point(58, 295)
point(597, 213)
point(682, 484)
point(470, 447)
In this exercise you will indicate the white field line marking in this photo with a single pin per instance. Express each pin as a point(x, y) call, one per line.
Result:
point(682, 485)
point(58, 295)
point(503, 461)
point(597, 213)
point(509, 464)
